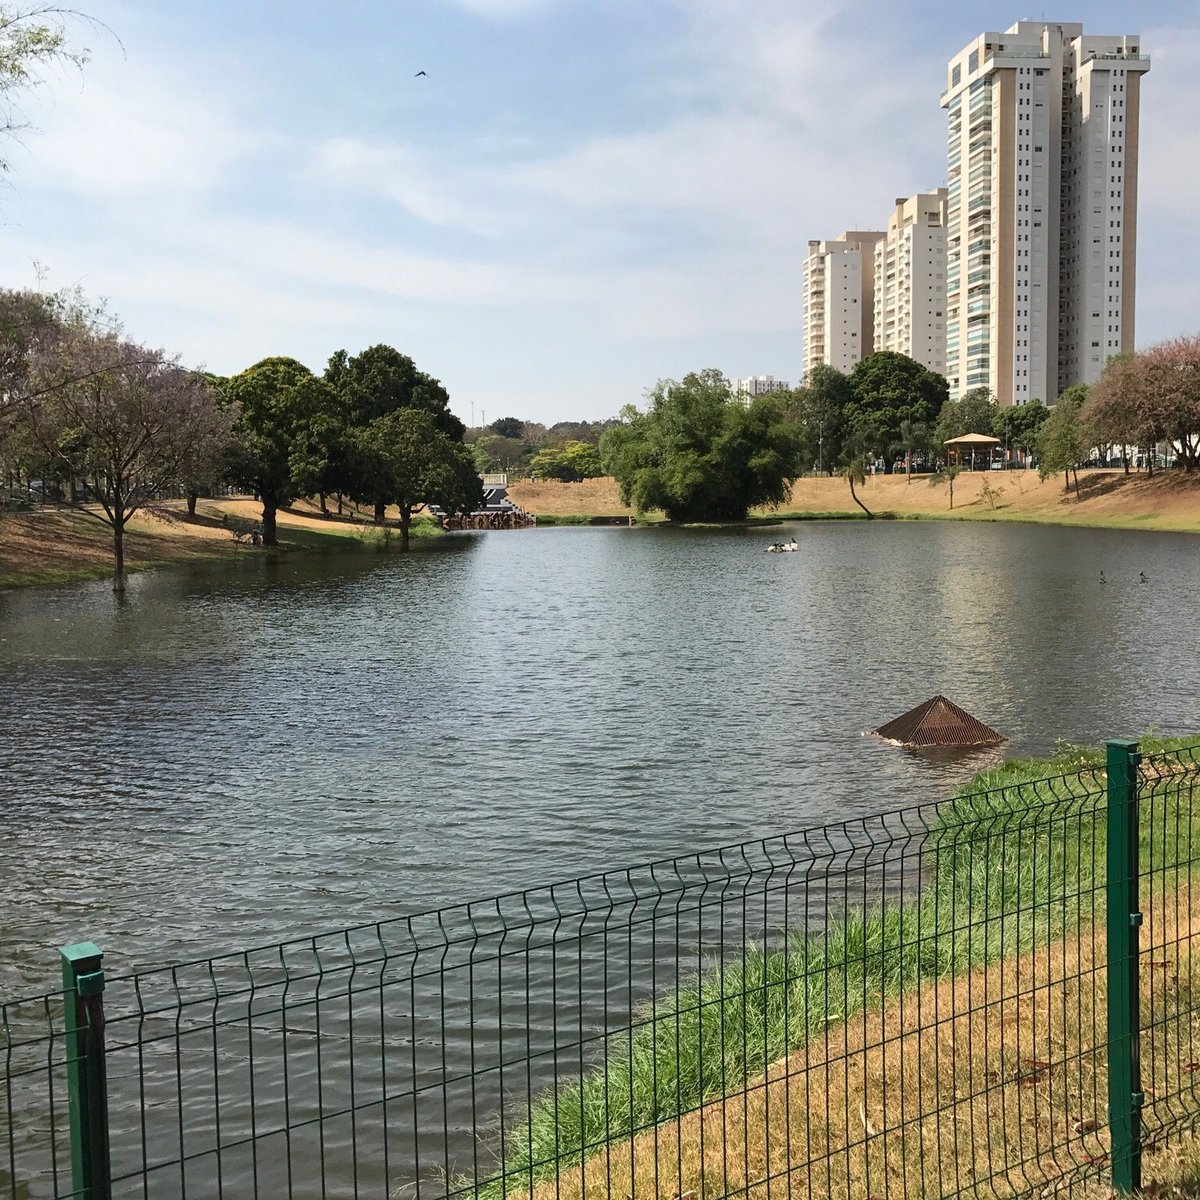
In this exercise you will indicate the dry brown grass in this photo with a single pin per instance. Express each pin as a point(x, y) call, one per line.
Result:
point(52, 545)
point(993, 1083)
point(1171, 500)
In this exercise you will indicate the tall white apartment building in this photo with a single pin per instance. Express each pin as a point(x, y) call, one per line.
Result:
point(757, 385)
point(910, 280)
point(839, 300)
point(1041, 208)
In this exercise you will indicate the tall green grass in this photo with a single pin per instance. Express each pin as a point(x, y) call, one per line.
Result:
point(1014, 860)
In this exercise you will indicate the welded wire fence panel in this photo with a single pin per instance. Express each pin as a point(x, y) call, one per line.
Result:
point(1169, 974)
point(35, 1135)
point(911, 1004)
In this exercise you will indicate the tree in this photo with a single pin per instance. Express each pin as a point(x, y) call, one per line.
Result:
point(700, 455)
point(33, 37)
point(320, 450)
point(890, 388)
point(974, 413)
point(1114, 413)
point(1170, 395)
point(507, 427)
point(410, 462)
point(279, 399)
point(914, 439)
point(125, 420)
point(947, 475)
point(30, 325)
point(379, 381)
point(1017, 425)
point(850, 468)
point(819, 408)
point(1061, 443)
point(575, 462)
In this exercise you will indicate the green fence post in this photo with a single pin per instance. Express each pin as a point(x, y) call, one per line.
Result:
point(1125, 1095)
point(87, 1086)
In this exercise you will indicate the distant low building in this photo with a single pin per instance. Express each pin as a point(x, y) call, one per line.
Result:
point(757, 385)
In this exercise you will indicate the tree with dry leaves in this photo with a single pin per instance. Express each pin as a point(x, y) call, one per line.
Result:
point(1170, 394)
point(1115, 412)
point(125, 420)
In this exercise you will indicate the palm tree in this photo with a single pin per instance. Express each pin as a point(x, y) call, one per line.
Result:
point(914, 436)
point(851, 470)
point(947, 474)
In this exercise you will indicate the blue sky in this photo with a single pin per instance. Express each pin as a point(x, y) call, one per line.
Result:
point(580, 197)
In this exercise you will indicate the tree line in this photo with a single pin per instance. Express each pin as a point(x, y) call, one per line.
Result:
point(699, 453)
point(567, 451)
point(106, 425)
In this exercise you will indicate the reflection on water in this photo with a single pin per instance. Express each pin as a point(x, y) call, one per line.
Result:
point(234, 757)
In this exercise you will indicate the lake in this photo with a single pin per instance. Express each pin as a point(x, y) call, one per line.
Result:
point(238, 755)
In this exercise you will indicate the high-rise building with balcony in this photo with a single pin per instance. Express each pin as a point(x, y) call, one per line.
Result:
point(839, 300)
point(910, 280)
point(1041, 208)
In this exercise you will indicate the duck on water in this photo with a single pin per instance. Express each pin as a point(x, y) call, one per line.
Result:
point(782, 547)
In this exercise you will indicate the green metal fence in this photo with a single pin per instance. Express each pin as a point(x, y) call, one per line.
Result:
point(947, 999)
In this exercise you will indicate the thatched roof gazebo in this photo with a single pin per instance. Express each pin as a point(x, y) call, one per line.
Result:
point(939, 722)
point(972, 442)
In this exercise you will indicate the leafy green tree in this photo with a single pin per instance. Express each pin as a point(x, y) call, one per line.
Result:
point(974, 413)
point(124, 419)
point(573, 463)
point(819, 408)
point(914, 439)
point(375, 383)
point(1061, 440)
point(280, 400)
point(699, 454)
point(320, 453)
point(890, 388)
point(507, 427)
point(1017, 425)
point(408, 461)
point(495, 453)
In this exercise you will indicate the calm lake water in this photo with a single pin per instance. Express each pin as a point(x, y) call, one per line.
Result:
point(233, 757)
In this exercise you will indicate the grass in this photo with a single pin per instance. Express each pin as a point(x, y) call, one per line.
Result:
point(551, 519)
point(61, 546)
point(713, 1090)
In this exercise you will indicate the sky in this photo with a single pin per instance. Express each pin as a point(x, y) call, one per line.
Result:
point(578, 198)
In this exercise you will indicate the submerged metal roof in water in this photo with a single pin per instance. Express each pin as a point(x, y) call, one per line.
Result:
point(939, 722)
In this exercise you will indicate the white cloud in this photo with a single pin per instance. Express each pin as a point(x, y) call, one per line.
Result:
point(134, 129)
point(503, 8)
point(400, 174)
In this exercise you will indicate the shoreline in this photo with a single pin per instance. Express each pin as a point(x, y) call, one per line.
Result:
point(730, 1043)
point(54, 547)
point(1108, 499)
point(57, 546)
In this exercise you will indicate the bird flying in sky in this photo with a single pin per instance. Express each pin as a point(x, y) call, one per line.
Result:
point(420, 73)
